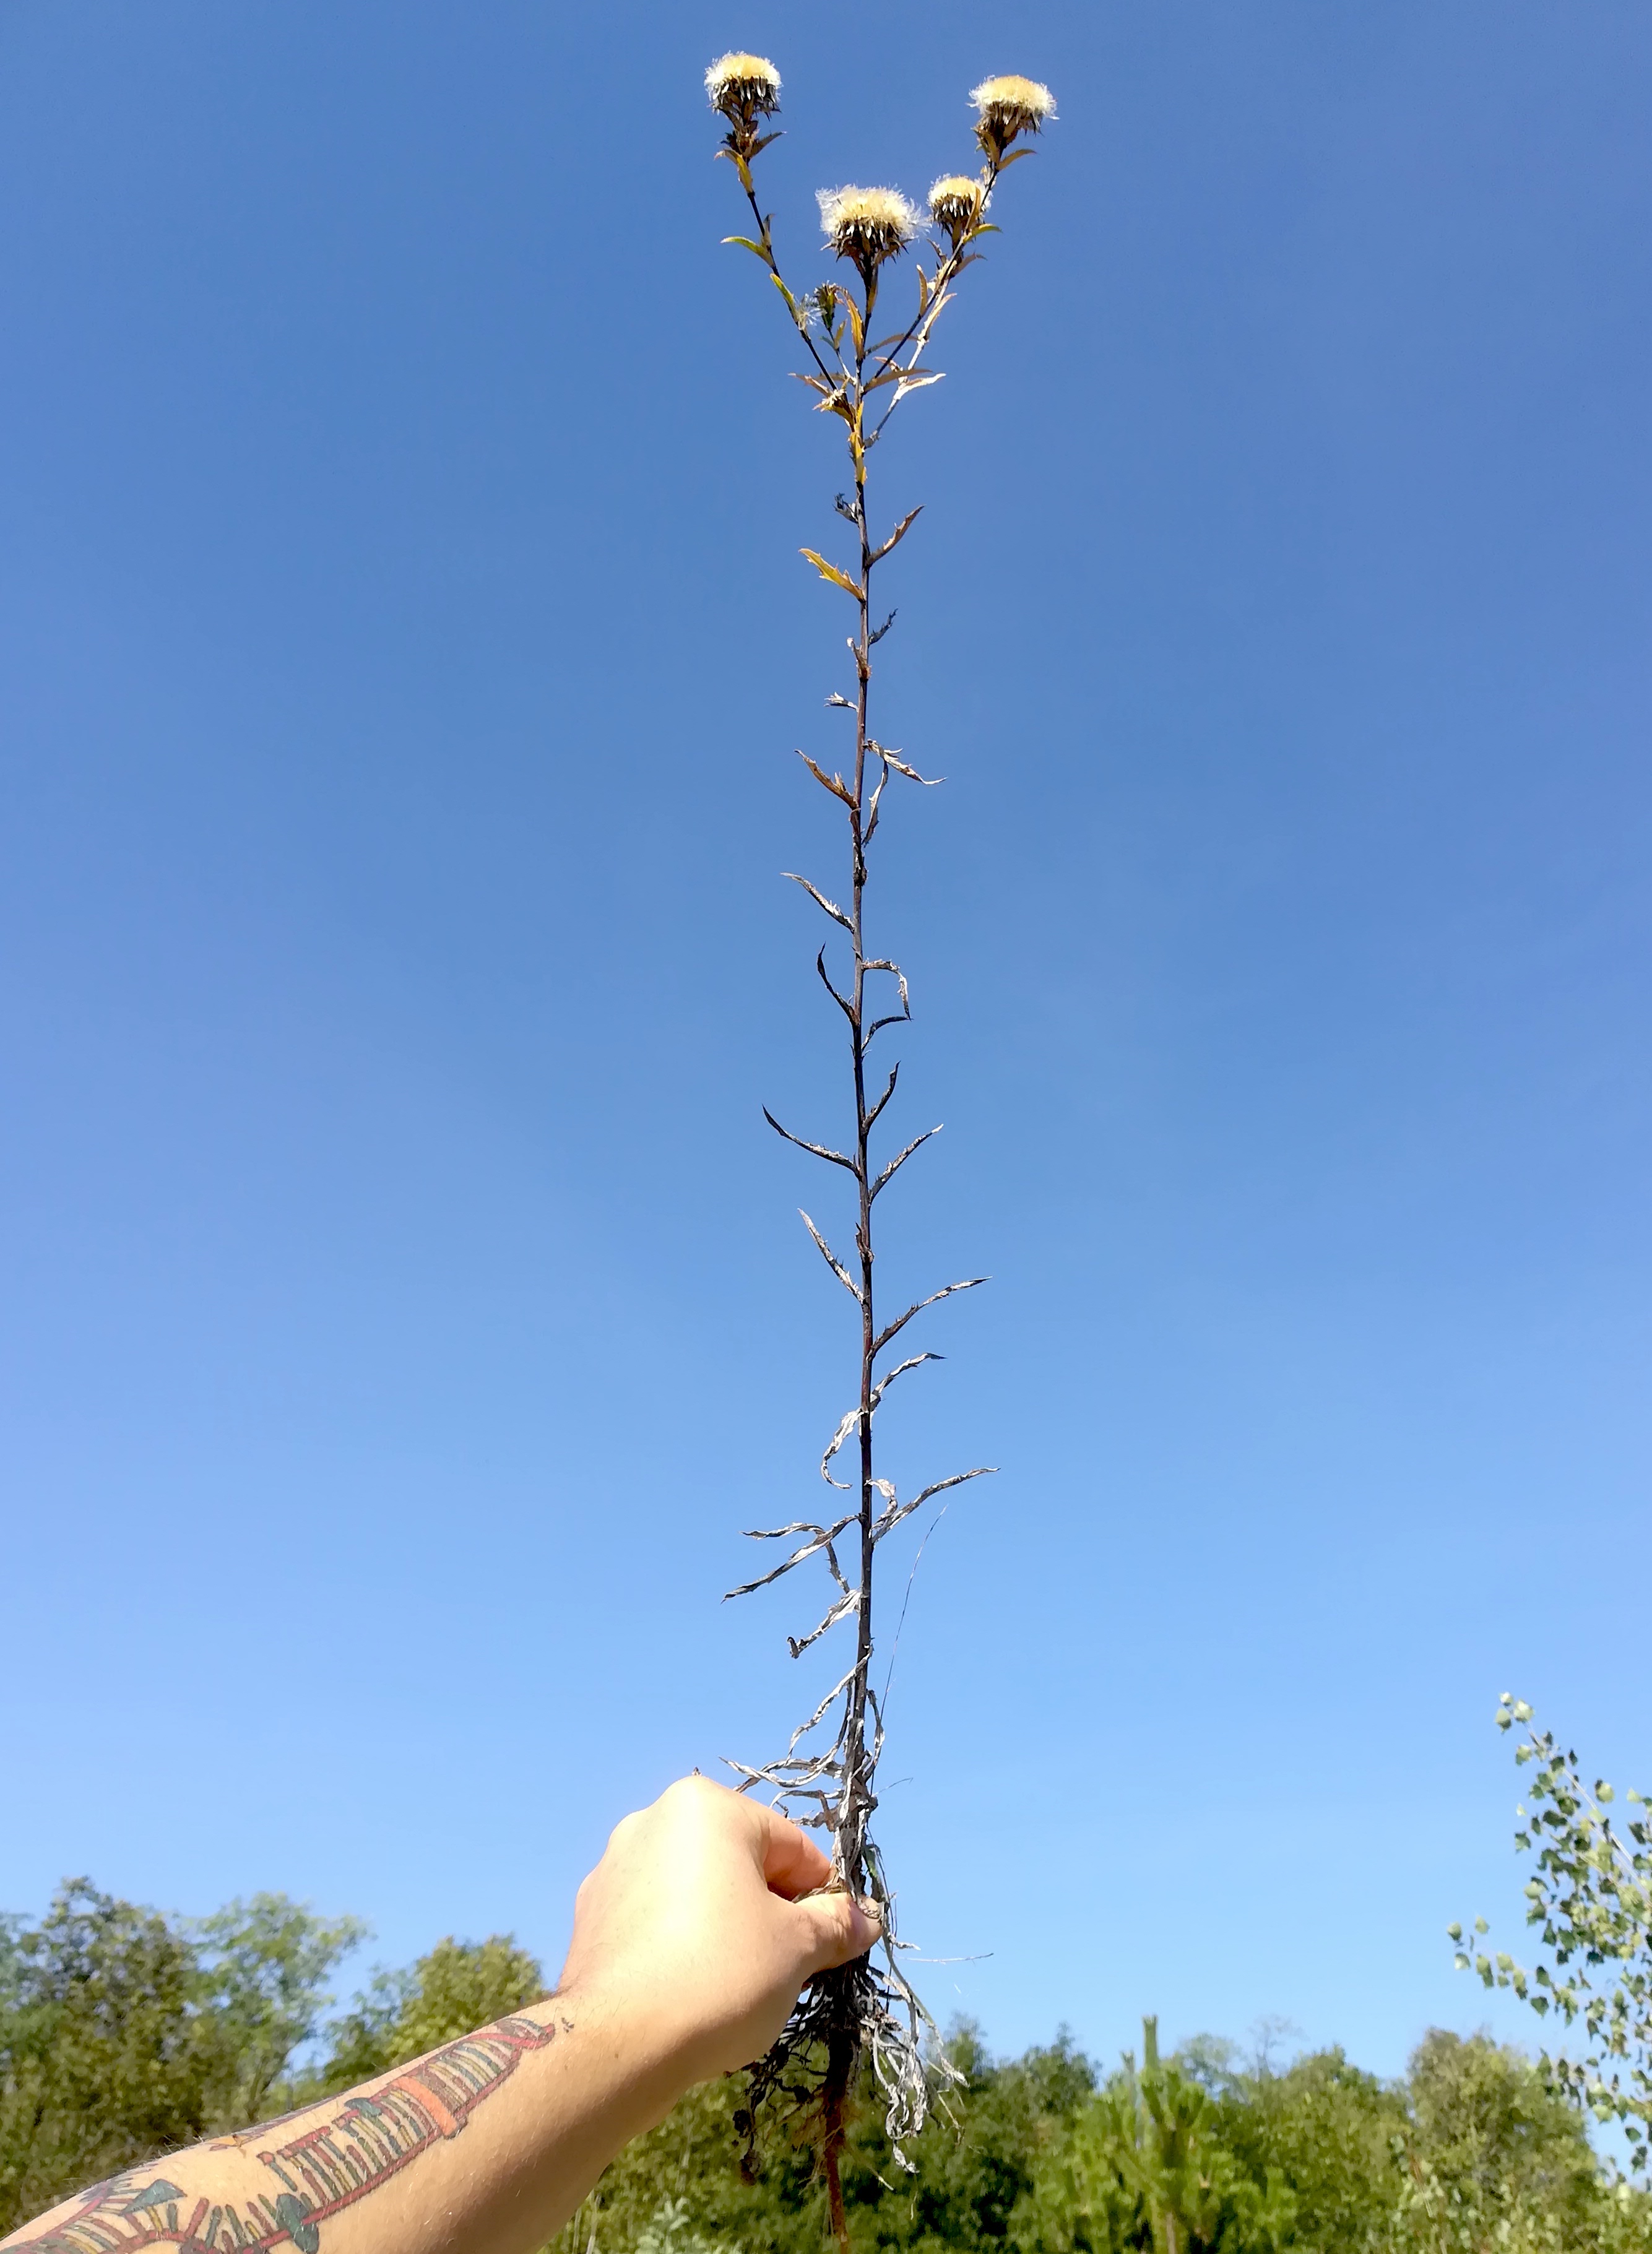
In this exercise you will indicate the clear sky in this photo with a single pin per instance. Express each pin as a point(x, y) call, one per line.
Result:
point(404, 649)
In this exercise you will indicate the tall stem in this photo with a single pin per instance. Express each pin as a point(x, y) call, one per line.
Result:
point(858, 1798)
point(857, 1802)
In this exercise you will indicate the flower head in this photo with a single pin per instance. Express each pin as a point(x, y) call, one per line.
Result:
point(957, 203)
point(866, 224)
point(1008, 106)
point(743, 86)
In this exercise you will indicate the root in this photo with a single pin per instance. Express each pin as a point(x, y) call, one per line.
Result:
point(848, 2023)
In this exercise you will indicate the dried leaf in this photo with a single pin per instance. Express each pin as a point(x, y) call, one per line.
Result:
point(824, 1539)
point(816, 1150)
point(890, 1519)
point(899, 533)
point(836, 1691)
point(833, 783)
point(912, 773)
point(841, 1610)
point(895, 1164)
point(916, 383)
point(871, 1116)
point(842, 1274)
point(830, 571)
point(890, 1330)
point(842, 1000)
point(913, 1362)
point(820, 899)
point(850, 1418)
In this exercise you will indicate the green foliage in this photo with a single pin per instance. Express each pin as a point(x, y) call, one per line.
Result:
point(262, 1970)
point(460, 1986)
point(1325, 2132)
point(1472, 2153)
point(1591, 1900)
point(101, 2056)
point(1150, 2162)
point(1494, 2158)
point(974, 2176)
point(122, 2033)
point(670, 2230)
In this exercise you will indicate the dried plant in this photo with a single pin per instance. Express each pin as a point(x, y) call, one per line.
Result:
point(827, 1776)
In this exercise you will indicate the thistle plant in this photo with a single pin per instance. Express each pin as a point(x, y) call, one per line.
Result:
point(827, 1777)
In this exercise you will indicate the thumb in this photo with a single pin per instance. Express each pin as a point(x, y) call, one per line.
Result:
point(838, 1929)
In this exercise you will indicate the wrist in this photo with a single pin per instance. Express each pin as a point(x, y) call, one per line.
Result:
point(642, 2053)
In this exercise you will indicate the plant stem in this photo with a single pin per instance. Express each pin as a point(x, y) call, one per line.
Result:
point(858, 1800)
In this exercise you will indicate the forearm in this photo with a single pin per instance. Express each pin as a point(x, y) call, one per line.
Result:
point(690, 1944)
point(487, 2145)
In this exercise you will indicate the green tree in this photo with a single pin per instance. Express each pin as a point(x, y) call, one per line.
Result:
point(123, 2034)
point(1325, 2132)
point(460, 1985)
point(975, 2171)
point(1150, 2164)
point(1591, 1901)
point(262, 1968)
point(1492, 2157)
point(102, 2053)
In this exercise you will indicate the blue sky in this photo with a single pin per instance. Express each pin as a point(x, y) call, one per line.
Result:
point(403, 652)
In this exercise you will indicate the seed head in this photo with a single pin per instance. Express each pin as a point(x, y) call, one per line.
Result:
point(866, 224)
point(743, 86)
point(1009, 106)
point(956, 203)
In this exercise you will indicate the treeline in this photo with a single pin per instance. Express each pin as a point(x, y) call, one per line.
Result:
point(1198, 2154)
point(125, 2034)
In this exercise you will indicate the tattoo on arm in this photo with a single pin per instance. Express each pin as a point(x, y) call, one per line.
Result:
point(343, 2158)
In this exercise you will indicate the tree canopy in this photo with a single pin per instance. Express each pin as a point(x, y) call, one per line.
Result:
point(125, 2033)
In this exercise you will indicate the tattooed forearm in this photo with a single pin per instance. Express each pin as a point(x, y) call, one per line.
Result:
point(349, 2152)
point(688, 1953)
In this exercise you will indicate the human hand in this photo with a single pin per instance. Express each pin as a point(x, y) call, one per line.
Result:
point(690, 1939)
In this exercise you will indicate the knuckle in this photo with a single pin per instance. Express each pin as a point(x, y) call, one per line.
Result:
point(624, 1832)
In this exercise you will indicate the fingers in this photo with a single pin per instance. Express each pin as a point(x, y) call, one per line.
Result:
point(839, 1929)
point(792, 1863)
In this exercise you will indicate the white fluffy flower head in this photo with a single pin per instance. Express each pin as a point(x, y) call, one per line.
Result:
point(866, 224)
point(742, 87)
point(1008, 106)
point(956, 201)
